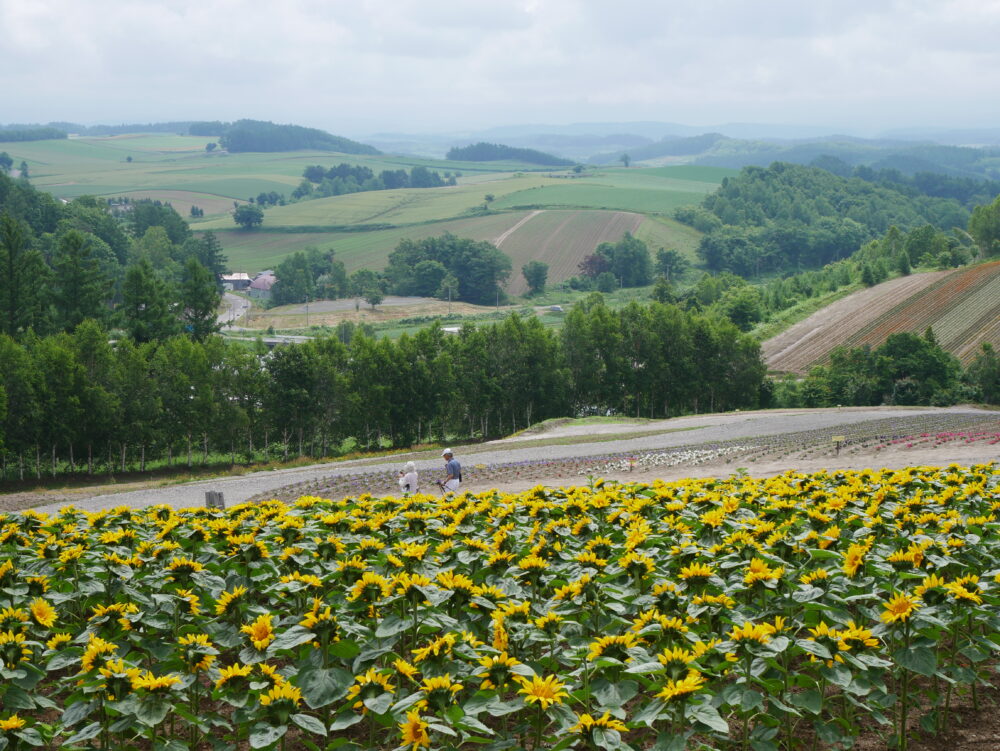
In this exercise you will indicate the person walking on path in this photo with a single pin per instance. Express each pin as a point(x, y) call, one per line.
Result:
point(408, 478)
point(454, 470)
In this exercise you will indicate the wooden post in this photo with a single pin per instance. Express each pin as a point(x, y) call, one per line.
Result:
point(215, 499)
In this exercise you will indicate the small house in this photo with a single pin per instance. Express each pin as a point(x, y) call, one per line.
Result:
point(236, 281)
point(260, 287)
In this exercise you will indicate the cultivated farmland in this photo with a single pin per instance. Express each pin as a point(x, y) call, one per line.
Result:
point(961, 306)
point(562, 239)
point(578, 211)
point(579, 234)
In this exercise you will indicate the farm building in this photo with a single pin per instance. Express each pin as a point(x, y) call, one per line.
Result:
point(260, 287)
point(238, 280)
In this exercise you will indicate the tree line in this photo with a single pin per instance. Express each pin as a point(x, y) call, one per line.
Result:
point(895, 253)
point(494, 152)
point(968, 191)
point(320, 182)
point(30, 133)
point(907, 369)
point(77, 401)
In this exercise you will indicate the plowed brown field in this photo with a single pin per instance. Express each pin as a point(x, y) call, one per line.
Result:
point(961, 306)
point(562, 239)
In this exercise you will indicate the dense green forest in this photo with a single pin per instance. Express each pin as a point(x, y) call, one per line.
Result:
point(968, 191)
point(494, 152)
point(790, 217)
point(78, 402)
point(259, 135)
point(448, 267)
point(132, 265)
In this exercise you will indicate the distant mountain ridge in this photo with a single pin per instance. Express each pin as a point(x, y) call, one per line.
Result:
point(734, 145)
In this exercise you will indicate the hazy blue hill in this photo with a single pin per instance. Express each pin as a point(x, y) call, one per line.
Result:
point(949, 136)
point(495, 152)
point(263, 136)
point(956, 161)
point(669, 146)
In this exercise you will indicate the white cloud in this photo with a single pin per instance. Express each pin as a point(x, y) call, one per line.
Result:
point(350, 65)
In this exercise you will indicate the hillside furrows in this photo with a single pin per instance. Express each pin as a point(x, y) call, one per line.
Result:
point(962, 307)
point(928, 307)
point(811, 340)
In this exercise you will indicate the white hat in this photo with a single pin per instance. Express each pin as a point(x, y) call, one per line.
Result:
point(447, 452)
point(410, 467)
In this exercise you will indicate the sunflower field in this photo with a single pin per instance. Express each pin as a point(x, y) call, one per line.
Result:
point(798, 611)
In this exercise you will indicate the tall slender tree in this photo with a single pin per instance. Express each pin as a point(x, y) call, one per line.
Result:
point(145, 311)
point(80, 288)
point(25, 277)
point(199, 301)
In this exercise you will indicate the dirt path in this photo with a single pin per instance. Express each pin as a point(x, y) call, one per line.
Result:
point(565, 453)
point(499, 240)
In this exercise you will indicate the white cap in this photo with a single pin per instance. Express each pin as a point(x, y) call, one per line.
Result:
point(447, 452)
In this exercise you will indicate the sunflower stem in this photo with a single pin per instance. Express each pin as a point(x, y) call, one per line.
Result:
point(903, 709)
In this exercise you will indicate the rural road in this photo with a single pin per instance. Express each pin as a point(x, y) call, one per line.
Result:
point(683, 431)
point(233, 309)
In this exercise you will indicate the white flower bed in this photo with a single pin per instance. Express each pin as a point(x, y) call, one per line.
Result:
point(691, 457)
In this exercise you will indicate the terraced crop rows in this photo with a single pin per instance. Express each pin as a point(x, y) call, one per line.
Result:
point(960, 295)
point(811, 340)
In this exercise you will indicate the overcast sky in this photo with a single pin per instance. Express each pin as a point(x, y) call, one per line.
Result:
point(362, 66)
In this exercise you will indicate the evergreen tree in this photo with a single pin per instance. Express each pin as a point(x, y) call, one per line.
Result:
point(80, 289)
point(25, 278)
point(146, 305)
point(208, 250)
point(199, 300)
point(868, 276)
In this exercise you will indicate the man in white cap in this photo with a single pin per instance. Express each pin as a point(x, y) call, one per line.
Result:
point(454, 470)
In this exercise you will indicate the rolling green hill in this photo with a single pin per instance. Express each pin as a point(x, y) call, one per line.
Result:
point(578, 210)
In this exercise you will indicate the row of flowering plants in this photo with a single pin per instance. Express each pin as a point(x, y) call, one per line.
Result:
point(792, 612)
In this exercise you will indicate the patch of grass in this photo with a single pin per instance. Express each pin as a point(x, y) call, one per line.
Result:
point(799, 312)
point(694, 172)
point(590, 196)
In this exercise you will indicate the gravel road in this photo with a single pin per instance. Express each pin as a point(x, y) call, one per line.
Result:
point(683, 431)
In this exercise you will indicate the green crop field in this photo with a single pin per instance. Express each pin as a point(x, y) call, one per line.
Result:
point(397, 207)
point(659, 192)
point(99, 166)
